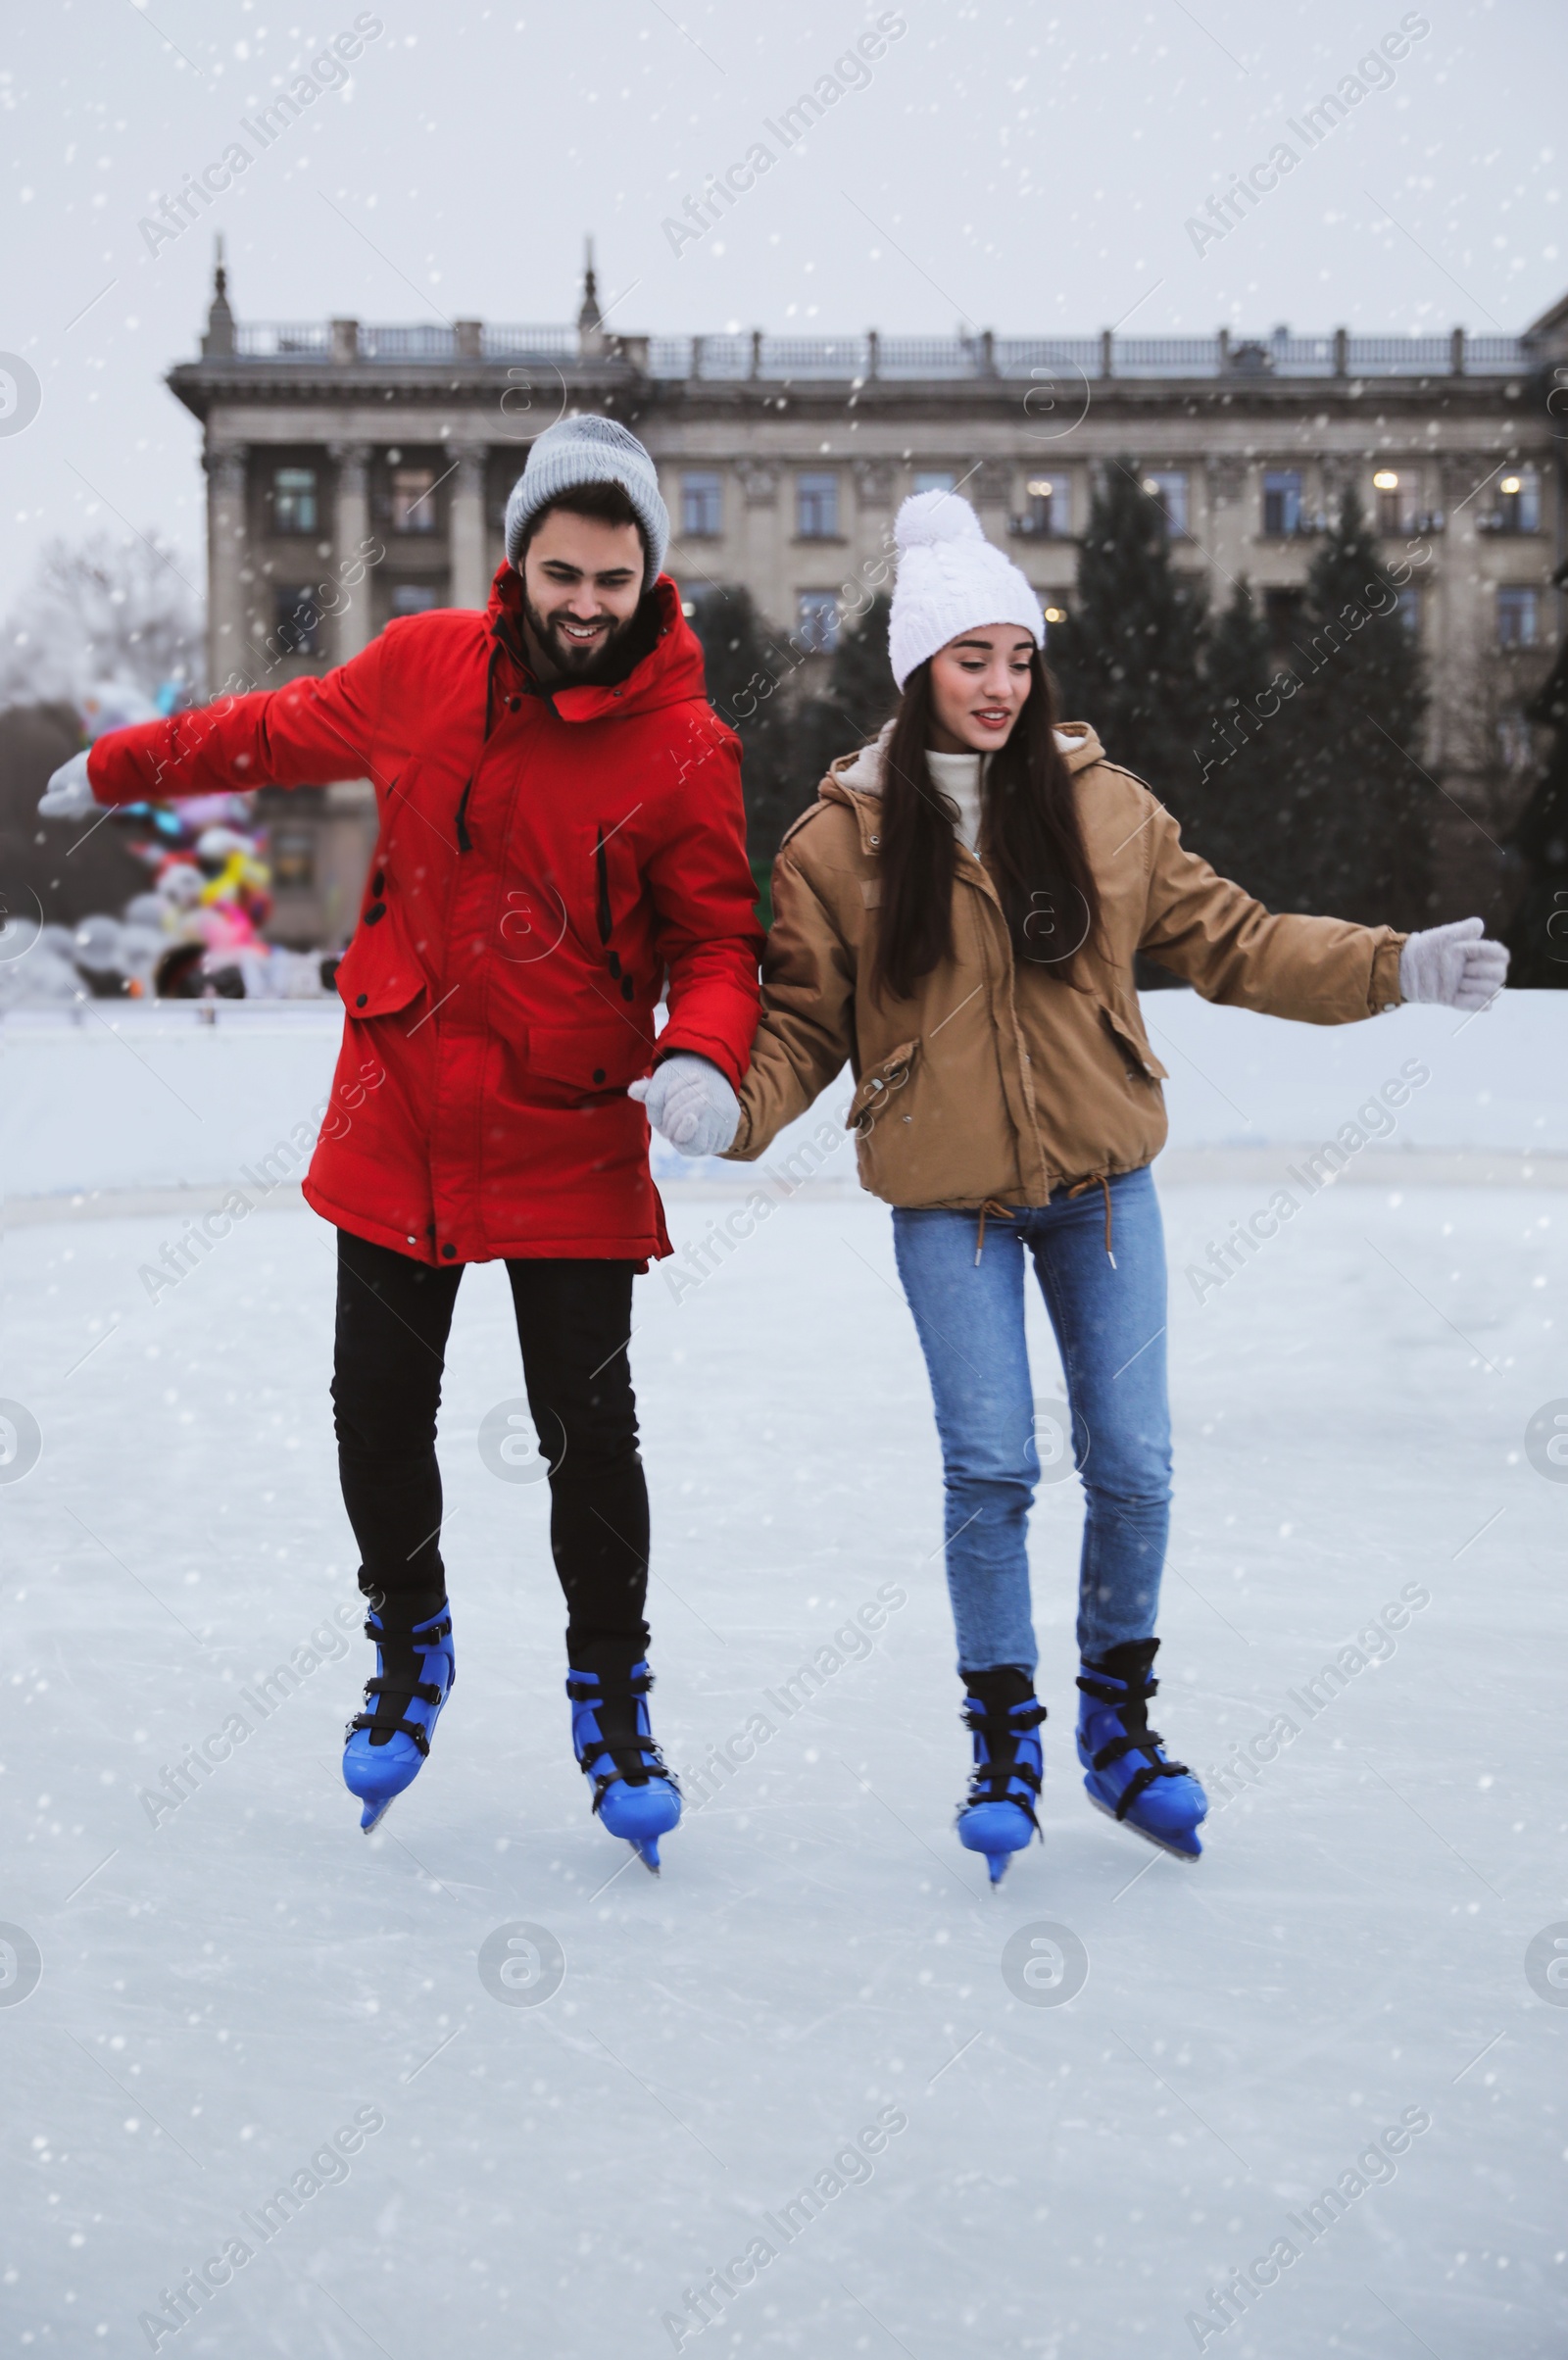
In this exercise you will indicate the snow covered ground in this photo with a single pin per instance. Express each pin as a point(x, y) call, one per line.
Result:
point(1002, 2154)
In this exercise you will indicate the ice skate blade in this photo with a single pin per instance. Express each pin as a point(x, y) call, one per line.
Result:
point(997, 1863)
point(374, 1814)
point(648, 1853)
point(1171, 1851)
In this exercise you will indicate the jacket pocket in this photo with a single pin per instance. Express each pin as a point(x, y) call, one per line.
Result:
point(378, 974)
point(1130, 1039)
point(586, 1059)
point(879, 1086)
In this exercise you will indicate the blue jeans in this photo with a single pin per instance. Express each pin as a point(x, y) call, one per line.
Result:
point(1109, 1323)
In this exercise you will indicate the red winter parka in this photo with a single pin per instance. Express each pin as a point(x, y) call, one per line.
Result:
point(544, 861)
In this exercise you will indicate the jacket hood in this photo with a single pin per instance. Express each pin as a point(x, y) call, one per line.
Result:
point(861, 773)
point(670, 673)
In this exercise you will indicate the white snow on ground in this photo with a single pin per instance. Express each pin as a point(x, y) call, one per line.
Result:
point(225, 1991)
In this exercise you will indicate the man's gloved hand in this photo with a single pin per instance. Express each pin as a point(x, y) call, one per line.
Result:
point(68, 795)
point(690, 1103)
point(1454, 964)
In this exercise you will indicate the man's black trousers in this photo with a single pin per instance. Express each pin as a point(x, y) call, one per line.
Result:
point(573, 1323)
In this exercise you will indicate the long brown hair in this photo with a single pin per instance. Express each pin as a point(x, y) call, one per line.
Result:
point(1030, 832)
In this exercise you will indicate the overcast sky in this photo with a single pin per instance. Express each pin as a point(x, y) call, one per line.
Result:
point(1026, 171)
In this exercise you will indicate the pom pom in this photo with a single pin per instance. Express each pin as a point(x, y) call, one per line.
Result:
point(930, 518)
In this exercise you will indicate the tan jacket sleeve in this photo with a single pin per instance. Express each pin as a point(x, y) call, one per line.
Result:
point(807, 1028)
point(1214, 935)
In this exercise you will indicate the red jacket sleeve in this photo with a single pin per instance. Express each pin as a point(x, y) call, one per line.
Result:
point(304, 734)
point(704, 897)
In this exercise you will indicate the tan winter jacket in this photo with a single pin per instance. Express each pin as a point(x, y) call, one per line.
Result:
point(998, 1084)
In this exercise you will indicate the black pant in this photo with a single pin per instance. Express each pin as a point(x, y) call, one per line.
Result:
point(574, 1322)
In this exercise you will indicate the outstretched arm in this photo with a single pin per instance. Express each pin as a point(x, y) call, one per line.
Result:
point(1214, 935)
point(304, 734)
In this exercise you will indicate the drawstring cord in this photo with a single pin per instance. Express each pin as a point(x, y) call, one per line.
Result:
point(1101, 1181)
point(1005, 1212)
point(1000, 1213)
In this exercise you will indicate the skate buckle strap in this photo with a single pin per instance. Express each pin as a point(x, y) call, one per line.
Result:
point(419, 1637)
point(999, 1727)
point(399, 1729)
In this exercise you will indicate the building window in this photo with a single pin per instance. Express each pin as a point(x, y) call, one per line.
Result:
point(1408, 609)
point(412, 598)
point(817, 508)
point(1398, 491)
point(934, 479)
point(413, 504)
point(1045, 517)
point(701, 507)
point(1519, 501)
point(816, 621)
point(291, 855)
point(1282, 502)
point(1169, 492)
point(1516, 618)
point(298, 622)
point(294, 500)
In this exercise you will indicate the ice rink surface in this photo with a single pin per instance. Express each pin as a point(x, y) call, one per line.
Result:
point(1069, 2163)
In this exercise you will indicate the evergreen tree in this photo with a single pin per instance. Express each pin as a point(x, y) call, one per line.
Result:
point(1129, 657)
point(1233, 818)
point(745, 673)
point(1356, 807)
point(1537, 936)
point(860, 696)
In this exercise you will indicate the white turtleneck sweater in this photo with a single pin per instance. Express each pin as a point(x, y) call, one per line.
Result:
point(958, 776)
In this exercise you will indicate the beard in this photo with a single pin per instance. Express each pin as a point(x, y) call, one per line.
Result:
point(584, 665)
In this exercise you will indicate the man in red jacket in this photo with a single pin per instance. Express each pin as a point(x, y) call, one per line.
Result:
point(561, 833)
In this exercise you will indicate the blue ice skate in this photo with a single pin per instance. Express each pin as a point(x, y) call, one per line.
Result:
point(1125, 1770)
point(386, 1746)
point(635, 1796)
point(998, 1815)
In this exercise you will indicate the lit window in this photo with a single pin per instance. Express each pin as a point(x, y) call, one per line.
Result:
point(817, 508)
point(817, 625)
point(1519, 501)
point(413, 507)
point(1397, 490)
point(934, 479)
point(412, 598)
point(701, 507)
point(1170, 492)
point(294, 500)
point(1282, 500)
point(298, 622)
point(1516, 618)
point(1047, 513)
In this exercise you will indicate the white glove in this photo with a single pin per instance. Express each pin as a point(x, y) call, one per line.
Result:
point(690, 1103)
point(1455, 964)
point(68, 796)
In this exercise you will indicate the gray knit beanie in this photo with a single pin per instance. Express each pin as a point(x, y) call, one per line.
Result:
point(589, 450)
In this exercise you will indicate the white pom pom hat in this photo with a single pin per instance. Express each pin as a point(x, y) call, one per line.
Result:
point(951, 579)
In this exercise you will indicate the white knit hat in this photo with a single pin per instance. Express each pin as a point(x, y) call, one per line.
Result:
point(951, 579)
point(590, 450)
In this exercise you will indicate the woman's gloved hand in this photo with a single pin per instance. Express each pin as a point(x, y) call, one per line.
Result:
point(690, 1103)
point(1454, 966)
point(68, 796)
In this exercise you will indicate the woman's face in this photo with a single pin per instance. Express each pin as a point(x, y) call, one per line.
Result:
point(978, 686)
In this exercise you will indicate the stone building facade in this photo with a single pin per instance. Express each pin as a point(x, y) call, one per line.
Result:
point(355, 472)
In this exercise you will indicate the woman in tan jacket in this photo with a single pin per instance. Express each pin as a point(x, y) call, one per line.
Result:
point(956, 917)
